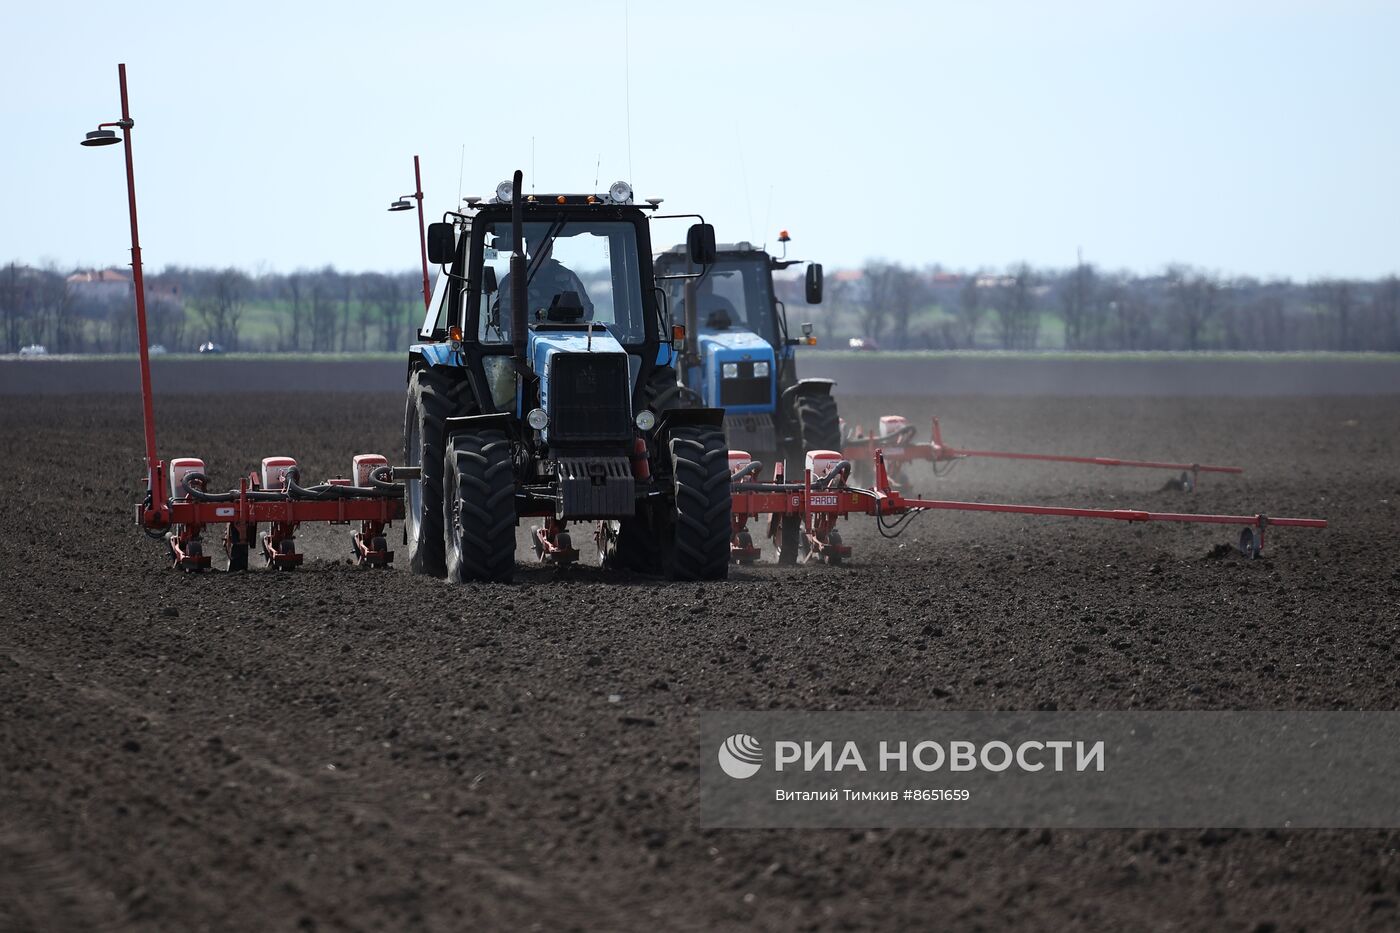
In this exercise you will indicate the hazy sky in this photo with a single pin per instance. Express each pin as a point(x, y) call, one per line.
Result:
point(1253, 138)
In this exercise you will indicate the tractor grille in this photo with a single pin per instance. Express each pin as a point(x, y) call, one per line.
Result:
point(747, 389)
point(589, 398)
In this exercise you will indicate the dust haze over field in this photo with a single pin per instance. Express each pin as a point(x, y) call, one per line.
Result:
point(347, 749)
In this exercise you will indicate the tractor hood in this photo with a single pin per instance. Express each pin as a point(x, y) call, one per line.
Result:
point(751, 383)
point(585, 385)
point(545, 343)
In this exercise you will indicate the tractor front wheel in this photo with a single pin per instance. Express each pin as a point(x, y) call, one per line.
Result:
point(695, 539)
point(478, 512)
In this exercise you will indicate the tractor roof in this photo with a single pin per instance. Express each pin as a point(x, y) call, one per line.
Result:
point(743, 246)
point(618, 195)
point(581, 202)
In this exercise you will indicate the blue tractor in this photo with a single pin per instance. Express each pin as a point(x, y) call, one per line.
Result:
point(739, 355)
point(540, 389)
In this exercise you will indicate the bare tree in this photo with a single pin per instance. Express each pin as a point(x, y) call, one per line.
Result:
point(382, 295)
point(1195, 299)
point(165, 309)
point(12, 306)
point(1387, 305)
point(220, 302)
point(294, 287)
point(1018, 323)
point(325, 286)
point(878, 279)
point(57, 324)
point(1079, 306)
point(166, 317)
point(1338, 300)
point(347, 297)
point(843, 297)
point(971, 309)
point(907, 294)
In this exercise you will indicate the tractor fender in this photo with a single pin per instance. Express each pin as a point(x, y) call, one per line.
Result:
point(501, 421)
point(806, 387)
point(439, 358)
point(677, 417)
point(426, 355)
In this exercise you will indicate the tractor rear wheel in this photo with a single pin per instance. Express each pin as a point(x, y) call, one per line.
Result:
point(478, 513)
point(432, 399)
point(818, 428)
point(695, 538)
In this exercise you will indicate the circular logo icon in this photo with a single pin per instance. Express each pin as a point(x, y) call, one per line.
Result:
point(741, 756)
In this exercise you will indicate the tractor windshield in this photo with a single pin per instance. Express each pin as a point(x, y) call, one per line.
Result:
point(737, 293)
point(578, 270)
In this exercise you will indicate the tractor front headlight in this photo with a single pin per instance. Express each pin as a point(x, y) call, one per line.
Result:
point(760, 369)
point(730, 370)
point(646, 419)
point(537, 419)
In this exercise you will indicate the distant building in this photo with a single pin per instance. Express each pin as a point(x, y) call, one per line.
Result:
point(103, 286)
point(100, 286)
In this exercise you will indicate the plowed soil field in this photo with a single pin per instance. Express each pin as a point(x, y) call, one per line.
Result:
point(339, 748)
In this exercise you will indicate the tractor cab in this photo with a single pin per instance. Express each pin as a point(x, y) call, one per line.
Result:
point(538, 389)
point(741, 355)
point(586, 274)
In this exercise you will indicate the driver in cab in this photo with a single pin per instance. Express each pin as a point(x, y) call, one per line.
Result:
point(552, 286)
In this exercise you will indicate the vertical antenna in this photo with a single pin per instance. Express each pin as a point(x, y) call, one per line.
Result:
point(744, 174)
point(461, 162)
point(767, 216)
point(627, 82)
point(597, 172)
point(532, 165)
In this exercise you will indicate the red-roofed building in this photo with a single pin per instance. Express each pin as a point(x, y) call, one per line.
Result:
point(99, 286)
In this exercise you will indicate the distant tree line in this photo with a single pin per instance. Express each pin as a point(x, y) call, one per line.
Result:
point(899, 307)
point(892, 305)
point(318, 311)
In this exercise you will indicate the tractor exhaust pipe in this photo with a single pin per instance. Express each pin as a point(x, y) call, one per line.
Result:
point(519, 314)
point(692, 325)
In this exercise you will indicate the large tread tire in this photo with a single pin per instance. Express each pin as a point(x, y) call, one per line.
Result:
point(819, 422)
point(664, 392)
point(818, 428)
point(698, 545)
point(432, 399)
point(479, 516)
